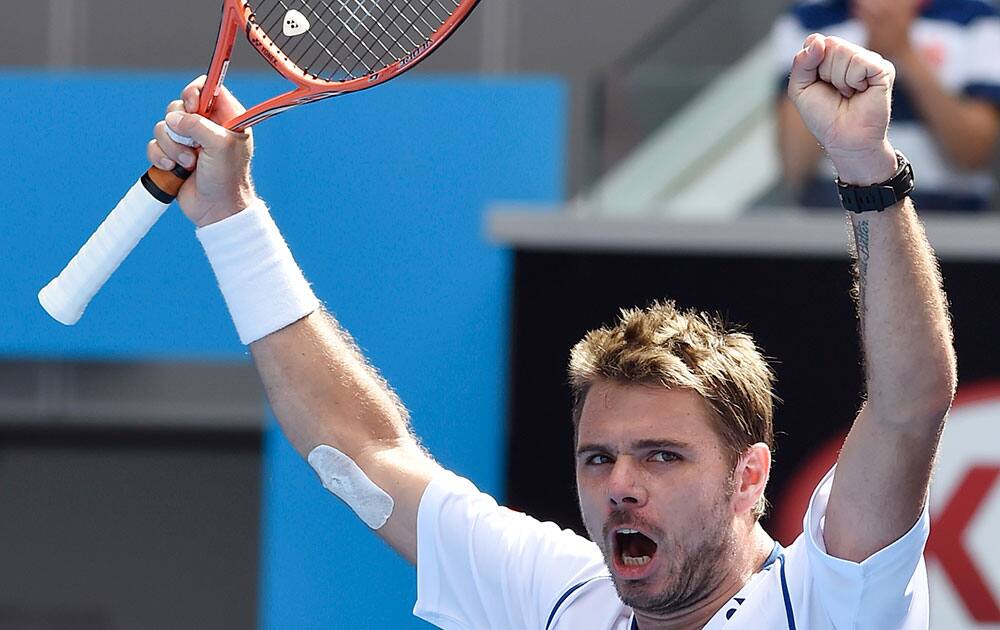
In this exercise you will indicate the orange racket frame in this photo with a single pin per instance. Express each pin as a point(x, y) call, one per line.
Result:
point(236, 16)
point(66, 297)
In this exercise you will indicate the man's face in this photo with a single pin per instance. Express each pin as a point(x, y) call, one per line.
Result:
point(655, 487)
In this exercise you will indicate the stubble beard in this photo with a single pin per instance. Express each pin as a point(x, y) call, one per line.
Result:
point(693, 571)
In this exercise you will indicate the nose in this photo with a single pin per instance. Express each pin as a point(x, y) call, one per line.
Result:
point(625, 486)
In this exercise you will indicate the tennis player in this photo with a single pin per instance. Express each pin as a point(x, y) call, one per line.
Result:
point(673, 418)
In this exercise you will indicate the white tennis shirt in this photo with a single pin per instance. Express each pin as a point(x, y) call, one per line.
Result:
point(482, 566)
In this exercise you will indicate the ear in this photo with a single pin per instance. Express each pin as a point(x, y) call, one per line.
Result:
point(750, 477)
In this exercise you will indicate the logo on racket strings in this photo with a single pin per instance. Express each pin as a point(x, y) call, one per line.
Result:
point(294, 23)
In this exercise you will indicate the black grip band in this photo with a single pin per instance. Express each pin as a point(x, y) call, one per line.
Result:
point(180, 172)
point(154, 190)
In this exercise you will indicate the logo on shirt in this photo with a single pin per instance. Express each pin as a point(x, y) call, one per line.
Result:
point(732, 611)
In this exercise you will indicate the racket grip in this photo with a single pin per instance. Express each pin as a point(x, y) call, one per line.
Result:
point(67, 295)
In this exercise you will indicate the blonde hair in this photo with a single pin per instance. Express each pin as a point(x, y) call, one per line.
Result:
point(688, 349)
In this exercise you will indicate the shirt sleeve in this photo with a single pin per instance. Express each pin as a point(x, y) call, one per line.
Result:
point(983, 71)
point(886, 590)
point(480, 565)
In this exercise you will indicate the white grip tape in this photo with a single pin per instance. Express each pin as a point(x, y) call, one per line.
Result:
point(263, 287)
point(344, 478)
point(67, 295)
point(179, 139)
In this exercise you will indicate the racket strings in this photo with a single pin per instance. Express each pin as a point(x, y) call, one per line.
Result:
point(403, 51)
point(349, 39)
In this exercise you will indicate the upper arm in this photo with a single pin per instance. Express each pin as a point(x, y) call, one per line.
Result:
point(888, 589)
point(402, 471)
point(324, 392)
point(799, 150)
point(794, 139)
point(880, 488)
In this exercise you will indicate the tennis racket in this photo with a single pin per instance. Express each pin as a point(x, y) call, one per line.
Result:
point(325, 47)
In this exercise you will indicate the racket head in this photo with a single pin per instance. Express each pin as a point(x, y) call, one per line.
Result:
point(330, 47)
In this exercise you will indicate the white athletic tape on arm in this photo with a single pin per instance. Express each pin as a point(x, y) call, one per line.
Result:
point(341, 476)
point(263, 287)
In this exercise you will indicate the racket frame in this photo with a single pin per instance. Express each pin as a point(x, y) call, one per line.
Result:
point(67, 295)
point(236, 16)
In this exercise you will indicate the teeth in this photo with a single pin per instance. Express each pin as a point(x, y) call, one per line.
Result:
point(628, 531)
point(632, 561)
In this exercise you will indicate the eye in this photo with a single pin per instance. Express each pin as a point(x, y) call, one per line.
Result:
point(597, 460)
point(664, 456)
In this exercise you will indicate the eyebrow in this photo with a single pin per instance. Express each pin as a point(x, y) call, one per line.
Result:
point(638, 445)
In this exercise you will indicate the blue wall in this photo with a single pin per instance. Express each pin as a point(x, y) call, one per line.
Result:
point(381, 196)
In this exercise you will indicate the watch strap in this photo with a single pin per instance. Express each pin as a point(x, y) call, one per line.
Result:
point(878, 197)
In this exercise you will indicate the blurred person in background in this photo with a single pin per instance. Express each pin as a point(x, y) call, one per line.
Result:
point(946, 102)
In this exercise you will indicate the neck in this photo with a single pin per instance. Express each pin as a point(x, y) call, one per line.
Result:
point(747, 561)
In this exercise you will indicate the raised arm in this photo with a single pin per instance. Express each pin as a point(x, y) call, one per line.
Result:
point(321, 388)
point(843, 93)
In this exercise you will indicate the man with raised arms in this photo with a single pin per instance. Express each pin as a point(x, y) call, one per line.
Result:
point(673, 418)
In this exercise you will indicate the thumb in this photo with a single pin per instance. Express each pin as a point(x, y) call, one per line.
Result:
point(805, 65)
point(200, 129)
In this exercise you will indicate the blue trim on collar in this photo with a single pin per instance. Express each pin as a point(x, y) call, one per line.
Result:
point(789, 614)
point(776, 552)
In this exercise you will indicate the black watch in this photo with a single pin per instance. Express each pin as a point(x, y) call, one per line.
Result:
point(878, 197)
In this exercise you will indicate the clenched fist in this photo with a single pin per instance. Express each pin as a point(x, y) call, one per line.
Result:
point(220, 186)
point(844, 94)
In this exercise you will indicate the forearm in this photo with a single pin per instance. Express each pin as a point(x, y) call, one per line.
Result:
point(906, 333)
point(323, 391)
point(885, 465)
point(966, 129)
point(800, 152)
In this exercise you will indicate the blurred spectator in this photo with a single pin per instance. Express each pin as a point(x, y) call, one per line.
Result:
point(946, 102)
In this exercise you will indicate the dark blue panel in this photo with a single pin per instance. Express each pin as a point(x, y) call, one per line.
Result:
point(985, 91)
point(816, 16)
point(959, 11)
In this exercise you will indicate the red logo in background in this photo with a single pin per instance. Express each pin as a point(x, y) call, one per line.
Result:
point(946, 546)
point(970, 458)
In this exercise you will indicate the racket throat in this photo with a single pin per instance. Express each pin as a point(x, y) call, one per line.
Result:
point(219, 65)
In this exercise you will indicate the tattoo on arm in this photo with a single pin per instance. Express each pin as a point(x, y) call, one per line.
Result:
point(861, 243)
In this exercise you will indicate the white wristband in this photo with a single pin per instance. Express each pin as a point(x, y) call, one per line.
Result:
point(263, 287)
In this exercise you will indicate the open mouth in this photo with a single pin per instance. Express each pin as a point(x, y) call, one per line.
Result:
point(633, 548)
